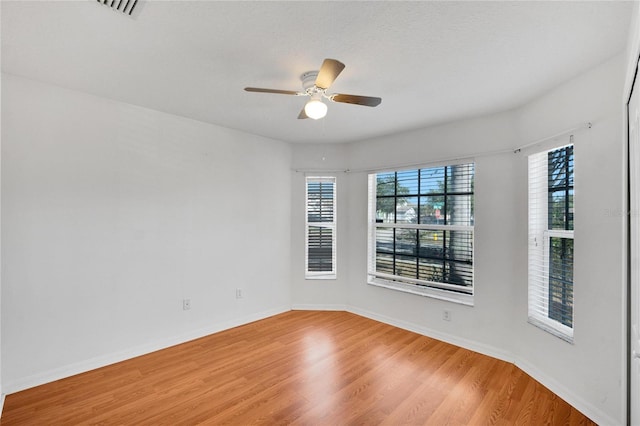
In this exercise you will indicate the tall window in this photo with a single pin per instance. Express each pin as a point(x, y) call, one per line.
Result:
point(421, 231)
point(551, 210)
point(320, 235)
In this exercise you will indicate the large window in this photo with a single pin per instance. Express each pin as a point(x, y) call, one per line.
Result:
point(551, 210)
point(320, 235)
point(421, 231)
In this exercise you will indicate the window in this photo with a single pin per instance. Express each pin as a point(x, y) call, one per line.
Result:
point(320, 235)
point(551, 210)
point(421, 231)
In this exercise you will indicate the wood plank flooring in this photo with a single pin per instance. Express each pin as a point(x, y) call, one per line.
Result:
point(300, 367)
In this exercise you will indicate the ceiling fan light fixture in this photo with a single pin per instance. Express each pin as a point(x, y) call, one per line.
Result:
point(315, 85)
point(315, 109)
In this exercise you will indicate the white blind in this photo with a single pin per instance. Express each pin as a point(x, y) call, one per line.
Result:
point(551, 211)
point(421, 229)
point(320, 233)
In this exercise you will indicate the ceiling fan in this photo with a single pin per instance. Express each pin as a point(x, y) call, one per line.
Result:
point(315, 85)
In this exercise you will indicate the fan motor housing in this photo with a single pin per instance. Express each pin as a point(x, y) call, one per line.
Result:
point(308, 79)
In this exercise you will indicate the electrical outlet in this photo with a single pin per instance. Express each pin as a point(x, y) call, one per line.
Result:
point(186, 304)
point(446, 315)
point(239, 293)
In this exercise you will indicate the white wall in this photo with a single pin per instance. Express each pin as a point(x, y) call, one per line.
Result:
point(495, 225)
point(589, 374)
point(112, 214)
point(632, 54)
point(318, 294)
point(2, 393)
point(1, 388)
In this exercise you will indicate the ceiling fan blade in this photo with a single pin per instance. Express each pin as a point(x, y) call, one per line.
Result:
point(302, 114)
point(329, 70)
point(276, 91)
point(356, 100)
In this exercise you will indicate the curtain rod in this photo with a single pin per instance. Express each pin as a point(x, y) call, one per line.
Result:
point(320, 170)
point(586, 125)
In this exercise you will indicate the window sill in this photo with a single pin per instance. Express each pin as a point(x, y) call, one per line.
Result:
point(560, 331)
point(321, 277)
point(434, 293)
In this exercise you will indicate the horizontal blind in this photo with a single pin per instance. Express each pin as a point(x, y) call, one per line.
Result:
point(550, 251)
point(320, 232)
point(421, 227)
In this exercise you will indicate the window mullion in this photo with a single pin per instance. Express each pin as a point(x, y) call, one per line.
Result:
point(566, 188)
point(418, 231)
point(320, 228)
point(395, 220)
point(550, 266)
point(409, 251)
point(444, 232)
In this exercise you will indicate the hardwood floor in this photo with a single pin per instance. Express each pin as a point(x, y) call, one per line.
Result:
point(300, 367)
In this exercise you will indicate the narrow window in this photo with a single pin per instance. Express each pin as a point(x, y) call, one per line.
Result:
point(551, 211)
point(320, 235)
point(421, 231)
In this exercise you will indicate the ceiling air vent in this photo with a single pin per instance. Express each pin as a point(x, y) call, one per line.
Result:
point(124, 6)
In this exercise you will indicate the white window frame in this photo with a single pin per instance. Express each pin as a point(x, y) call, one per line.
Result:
point(538, 251)
point(442, 291)
point(320, 275)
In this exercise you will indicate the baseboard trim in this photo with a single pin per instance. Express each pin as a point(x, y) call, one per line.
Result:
point(2, 397)
point(556, 387)
point(448, 338)
point(566, 394)
point(102, 361)
point(321, 307)
point(553, 385)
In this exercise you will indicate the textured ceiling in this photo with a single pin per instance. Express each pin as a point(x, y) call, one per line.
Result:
point(431, 62)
